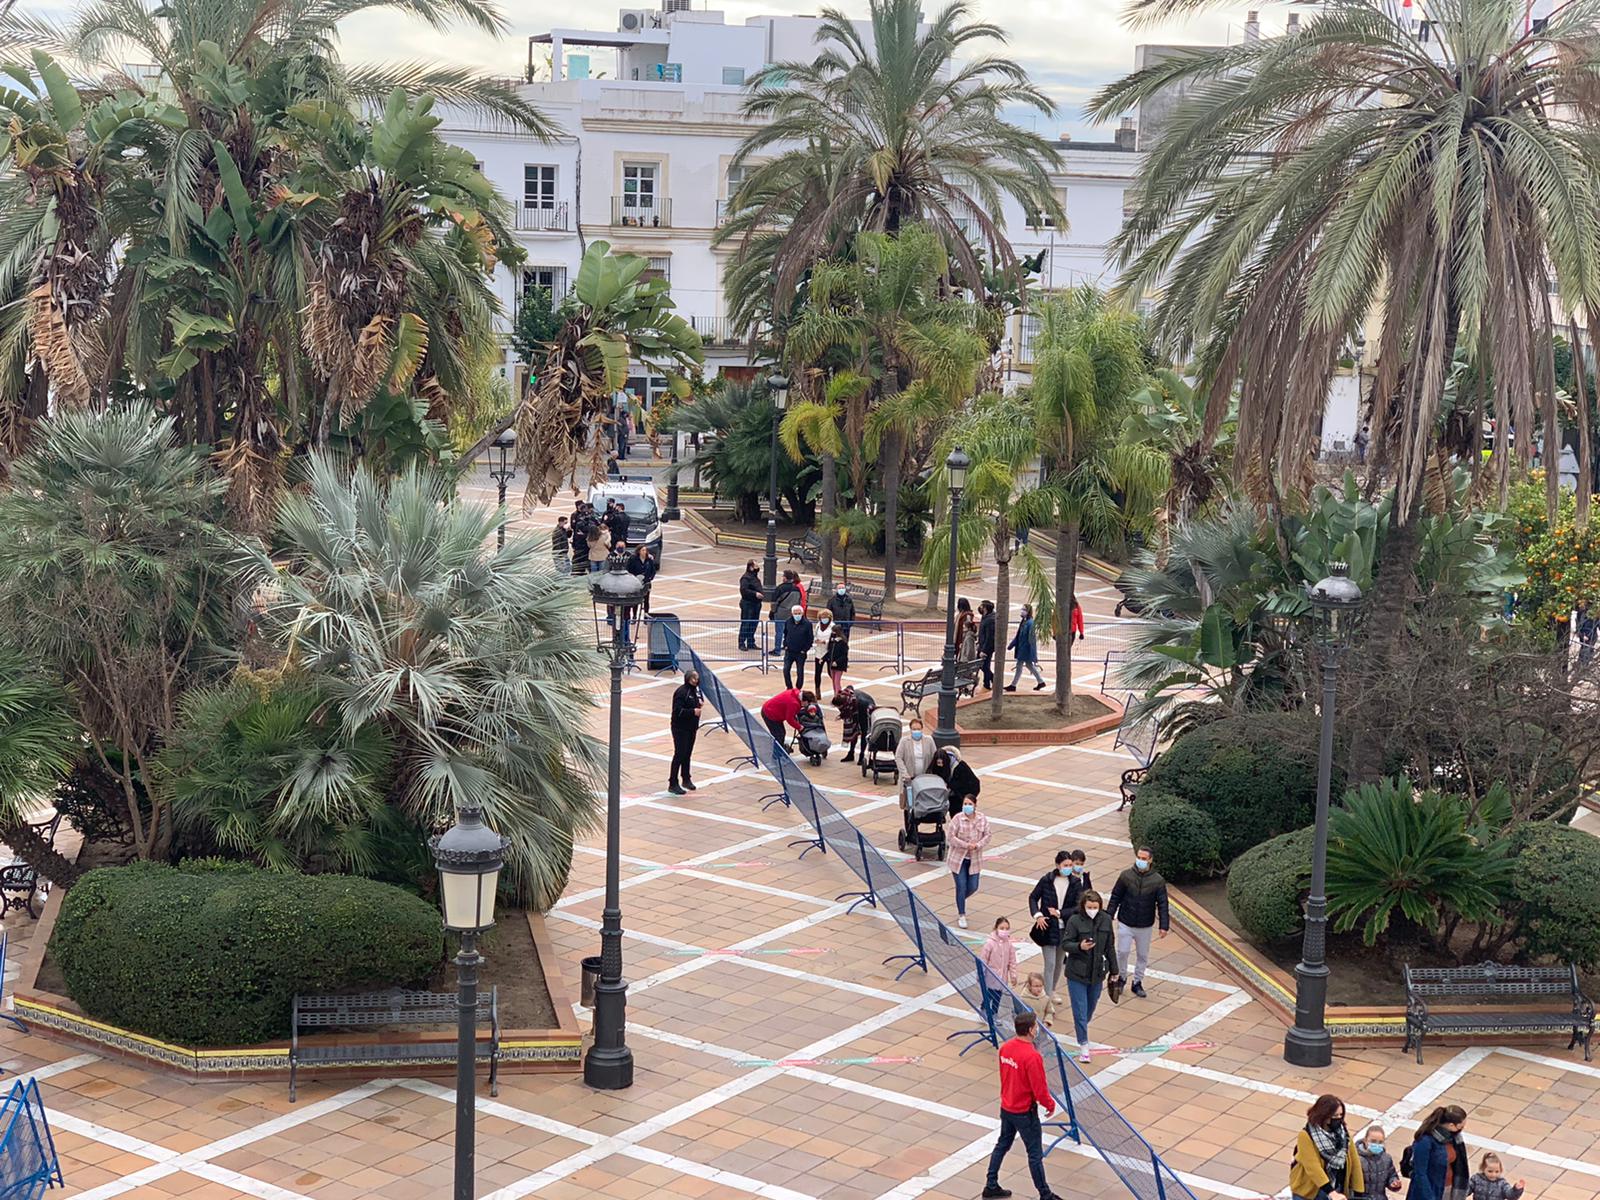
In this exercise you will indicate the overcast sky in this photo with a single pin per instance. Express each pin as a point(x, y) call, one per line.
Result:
point(1070, 47)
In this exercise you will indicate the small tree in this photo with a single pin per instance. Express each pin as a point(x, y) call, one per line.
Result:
point(116, 578)
point(538, 322)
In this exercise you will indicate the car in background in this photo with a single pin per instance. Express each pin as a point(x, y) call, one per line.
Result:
point(642, 504)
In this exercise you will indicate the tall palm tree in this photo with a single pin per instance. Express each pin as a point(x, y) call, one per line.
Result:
point(1088, 365)
point(907, 139)
point(1304, 182)
point(470, 659)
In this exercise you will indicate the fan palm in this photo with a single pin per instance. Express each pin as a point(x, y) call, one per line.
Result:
point(470, 660)
point(1088, 365)
point(908, 139)
point(1304, 182)
point(39, 741)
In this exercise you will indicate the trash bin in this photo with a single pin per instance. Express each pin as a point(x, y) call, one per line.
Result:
point(591, 972)
point(663, 652)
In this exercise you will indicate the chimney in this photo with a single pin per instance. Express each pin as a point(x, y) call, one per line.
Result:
point(1292, 25)
point(1127, 135)
point(1252, 26)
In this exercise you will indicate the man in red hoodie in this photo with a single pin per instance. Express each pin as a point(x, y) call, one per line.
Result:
point(784, 709)
point(1022, 1088)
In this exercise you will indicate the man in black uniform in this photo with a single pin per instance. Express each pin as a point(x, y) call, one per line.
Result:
point(582, 523)
point(750, 594)
point(686, 705)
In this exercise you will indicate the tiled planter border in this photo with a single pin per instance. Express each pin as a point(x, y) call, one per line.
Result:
point(522, 1051)
point(1078, 731)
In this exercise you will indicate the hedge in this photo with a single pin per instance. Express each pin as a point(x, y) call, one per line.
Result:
point(1265, 885)
point(1255, 775)
point(1555, 892)
point(213, 953)
point(1183, 839)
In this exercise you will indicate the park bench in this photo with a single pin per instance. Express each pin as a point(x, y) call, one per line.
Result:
point(807, 548)
point(914, 691)
point(396, 1006)
point(869, 599)
point(1496, 981)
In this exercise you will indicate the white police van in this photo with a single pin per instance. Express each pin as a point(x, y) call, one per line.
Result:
point(642, 504)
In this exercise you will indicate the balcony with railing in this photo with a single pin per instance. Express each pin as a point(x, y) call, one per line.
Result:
point(545, 218)
point(641, 212)
point(718, 333)
point(1030, 333)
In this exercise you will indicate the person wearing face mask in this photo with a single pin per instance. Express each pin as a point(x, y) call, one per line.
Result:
point(1051, 897)
point(1026, 644)
point(986, 624)
point(999, 958)
point(843, 609)
point(1378, 1173)
point(958, 777)
point(687, 704)
point(798, 638)
point(1439, 1166)
point(750, 593)
point(1325, 1165)
point(1091, 952)
point(1138, 902)
point(968, 834)
point(834, 655)
point(913, 756)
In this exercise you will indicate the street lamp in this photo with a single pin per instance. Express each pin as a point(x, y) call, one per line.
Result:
point(945, 734)
point(469, 856)
point(671, 512)
point(502, 472)
point(778, 389)
point(609, 1062)
point(1334, 603)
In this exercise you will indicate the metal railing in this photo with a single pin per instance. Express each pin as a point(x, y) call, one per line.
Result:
point(555, 218)
point(641, 212)
point(28, 1160)
point(1084, 1111)
point(717, 331)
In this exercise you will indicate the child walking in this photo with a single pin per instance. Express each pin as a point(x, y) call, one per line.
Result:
point(1036, 998)
point(1378, 1171)
point(999, 958)
point(1490, 1183)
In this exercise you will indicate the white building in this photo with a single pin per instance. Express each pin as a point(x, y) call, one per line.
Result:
point(651, 119)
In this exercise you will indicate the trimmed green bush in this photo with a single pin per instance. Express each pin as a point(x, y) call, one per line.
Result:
point(212, 953)
point(1254, 775)
point(1265, 884)
point(1182, 838)
point(1555, 892)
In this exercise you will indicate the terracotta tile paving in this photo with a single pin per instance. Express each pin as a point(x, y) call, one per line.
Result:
point(699, 1123)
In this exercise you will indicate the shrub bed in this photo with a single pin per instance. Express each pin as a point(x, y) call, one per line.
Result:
point(1183, 839)
point(1555, 892)
point(1254, 775)
point(212, 953)
point(1265, 883)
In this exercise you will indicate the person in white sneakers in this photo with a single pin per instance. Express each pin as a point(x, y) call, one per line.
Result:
point(1138, 903)
point(967, 833)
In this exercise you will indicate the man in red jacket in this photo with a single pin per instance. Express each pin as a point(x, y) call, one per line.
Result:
point(784, 709)
point(1022, 1088)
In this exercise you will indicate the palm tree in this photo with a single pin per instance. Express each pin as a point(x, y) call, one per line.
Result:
point(1304, 182)
point(1088, 365)
point(613, 317)
point(1003, 494)
point(1167, 414)
point(470, 660)
point(39, 741)
point(907, 139)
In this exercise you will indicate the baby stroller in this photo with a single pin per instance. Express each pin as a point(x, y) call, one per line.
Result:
point(813, 740)
point(883, 735)
point(927, 803)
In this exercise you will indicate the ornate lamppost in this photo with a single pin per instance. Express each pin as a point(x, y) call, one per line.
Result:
point(778, 389)
point(945, 734)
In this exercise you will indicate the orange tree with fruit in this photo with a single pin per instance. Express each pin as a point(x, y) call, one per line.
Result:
point(1562, 563)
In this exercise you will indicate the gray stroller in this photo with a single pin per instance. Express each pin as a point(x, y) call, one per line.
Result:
point(927, 803)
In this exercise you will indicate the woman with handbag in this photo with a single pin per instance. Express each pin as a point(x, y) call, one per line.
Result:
point(1052, 896)
point(1090, 945)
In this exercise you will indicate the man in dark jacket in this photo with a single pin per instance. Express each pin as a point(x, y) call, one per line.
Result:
point(798, 638)
point(686, 706)
point(616, 522)
point(749, 605)
point(582, 523)
point(1137, 902)
point(560, 541)
point(986, 643)
point(644, 565)
point(843, 609)
point(784, 597)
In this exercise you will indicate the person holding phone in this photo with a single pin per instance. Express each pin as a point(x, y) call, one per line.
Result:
point(1091, 954)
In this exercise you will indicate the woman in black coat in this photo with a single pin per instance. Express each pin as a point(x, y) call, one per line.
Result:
point(1050, 899)
point(1091, 952)
point(959, 777)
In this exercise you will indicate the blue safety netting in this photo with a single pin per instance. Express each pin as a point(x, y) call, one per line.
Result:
point(28, 1161)
point(1085, 1113)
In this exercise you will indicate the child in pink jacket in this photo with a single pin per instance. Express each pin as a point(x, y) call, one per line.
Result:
point(999, 959)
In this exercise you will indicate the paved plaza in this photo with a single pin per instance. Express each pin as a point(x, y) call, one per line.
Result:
point(710, 871)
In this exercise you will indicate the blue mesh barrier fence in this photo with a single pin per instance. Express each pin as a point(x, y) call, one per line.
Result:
point(1084, 1114)
point(28, 1161)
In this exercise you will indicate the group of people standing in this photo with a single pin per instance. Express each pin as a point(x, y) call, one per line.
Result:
point(591, 536)
point(975, 639)
point(795, 636)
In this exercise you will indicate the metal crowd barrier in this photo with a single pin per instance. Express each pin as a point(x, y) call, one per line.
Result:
point(1084, 1112)
point(28, 1160)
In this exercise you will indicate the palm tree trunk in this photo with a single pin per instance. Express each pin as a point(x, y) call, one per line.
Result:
point(830, 508)
point(891, 511)
point(1066, 593)
point(1392, 584)
point(40, 855)
point(1002, 610)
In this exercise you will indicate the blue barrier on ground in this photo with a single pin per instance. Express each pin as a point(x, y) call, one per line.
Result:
point(1085, 1112)
point(28, 1161)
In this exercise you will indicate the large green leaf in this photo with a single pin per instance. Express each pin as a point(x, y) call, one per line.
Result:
point(1218, 644)
point(65, 103)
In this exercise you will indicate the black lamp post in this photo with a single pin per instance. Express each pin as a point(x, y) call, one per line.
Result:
point(671, 513)
point(469, 856)
point(502, 472)
point(1334, 604)
point(778, 388)
point(609, 1063)
point(945, 734)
